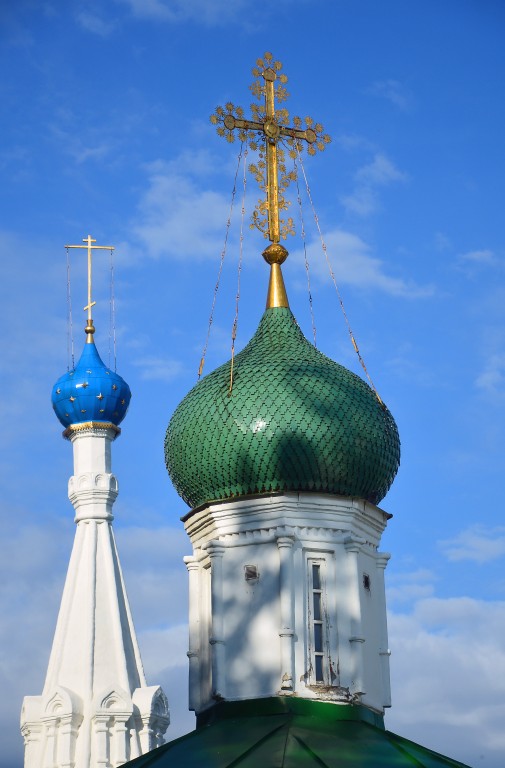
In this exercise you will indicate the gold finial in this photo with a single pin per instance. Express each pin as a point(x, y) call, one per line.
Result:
point(275, 255)
point(89, 330)
point(268, 133)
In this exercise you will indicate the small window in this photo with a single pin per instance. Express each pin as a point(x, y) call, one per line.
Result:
point(317, 625)
point(251, 573)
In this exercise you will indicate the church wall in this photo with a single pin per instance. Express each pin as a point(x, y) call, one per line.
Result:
point(287, 598)
point(251, 609)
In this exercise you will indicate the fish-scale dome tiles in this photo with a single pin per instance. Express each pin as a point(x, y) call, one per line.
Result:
point(295, 421)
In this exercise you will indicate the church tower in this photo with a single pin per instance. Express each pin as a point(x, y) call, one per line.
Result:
point(96, 709)
point(283, 457)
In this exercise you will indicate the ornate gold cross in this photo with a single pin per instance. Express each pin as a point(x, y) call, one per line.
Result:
point(270, 125)
point(90, 328)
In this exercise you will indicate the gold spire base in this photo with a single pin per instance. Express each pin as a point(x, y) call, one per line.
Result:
point(275, 255)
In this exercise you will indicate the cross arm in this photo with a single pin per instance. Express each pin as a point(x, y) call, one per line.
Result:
point(231, 122)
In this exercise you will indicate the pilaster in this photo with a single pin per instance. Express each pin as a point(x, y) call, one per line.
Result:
point(352, 547)
point(194, 632)
point(384, 652)
point(287, 628)
point(217, 640)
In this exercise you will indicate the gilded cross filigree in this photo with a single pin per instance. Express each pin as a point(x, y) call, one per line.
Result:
point(270, 134)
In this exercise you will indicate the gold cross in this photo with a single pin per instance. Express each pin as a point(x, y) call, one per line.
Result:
point(90, 329)
point(270, 125)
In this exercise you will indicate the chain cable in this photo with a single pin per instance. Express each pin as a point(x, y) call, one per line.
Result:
point(112, 311)
point(221, 262)
point(237, 298)
point(302, 232)
point(70, 326)
point(332, 274)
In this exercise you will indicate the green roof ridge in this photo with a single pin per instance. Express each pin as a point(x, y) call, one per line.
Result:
point(324, 711)
point(286, 732)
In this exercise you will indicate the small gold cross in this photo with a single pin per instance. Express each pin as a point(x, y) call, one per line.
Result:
point(90, 329)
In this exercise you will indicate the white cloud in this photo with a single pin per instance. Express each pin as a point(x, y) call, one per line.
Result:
point(477, 544)
point(442, 242)
point(208, 12)
point(381, 172)
point(32, 563)
point(492, 379)
point(406, 365)
point(407, 587)
point(448, 677)
point(158, 368)
point(79, 146)
point(163, 649)
point(82, 153)
point(151, 557)
point(179, 220)
point(363, 201)
point(353, 264)
point(350, 142)
point(393, 91)
point(484, 256)
point(93, 23)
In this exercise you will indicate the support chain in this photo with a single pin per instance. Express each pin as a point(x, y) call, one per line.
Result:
point(112, 319)
point(221, 262)
point(237, 298)
point(332, 274)
point(302, 232)
point(70, 326)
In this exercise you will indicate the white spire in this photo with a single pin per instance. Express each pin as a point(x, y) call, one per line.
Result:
point(96, 710)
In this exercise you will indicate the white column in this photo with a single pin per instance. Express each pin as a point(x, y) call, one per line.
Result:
point(194, 632)
point(121, 740)
point(384, 652)
point(352, 546)
point(101, 733)
point(32, 733)
point(50, 745)
point(216, 551)
point(66, 742)
point(146, 736)
point(286, 631)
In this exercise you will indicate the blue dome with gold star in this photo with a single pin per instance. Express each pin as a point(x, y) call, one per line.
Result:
point(90, 392)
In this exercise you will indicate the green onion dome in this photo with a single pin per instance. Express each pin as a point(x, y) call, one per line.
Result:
point(294, 421)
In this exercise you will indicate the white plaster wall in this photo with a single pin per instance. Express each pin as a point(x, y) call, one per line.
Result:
point(259, 643)
point(251, 621)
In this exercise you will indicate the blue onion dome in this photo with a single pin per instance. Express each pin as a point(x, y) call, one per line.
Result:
point(294, 421)
point(90, 392)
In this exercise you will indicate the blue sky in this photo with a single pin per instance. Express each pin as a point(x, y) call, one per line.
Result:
point(105, 130)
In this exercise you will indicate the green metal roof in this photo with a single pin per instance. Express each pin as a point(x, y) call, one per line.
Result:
point(294, 421)
point(291, 733)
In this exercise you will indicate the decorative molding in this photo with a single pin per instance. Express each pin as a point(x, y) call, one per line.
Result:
point(88, 426)
point(251, 521)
